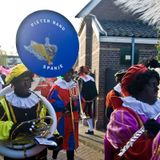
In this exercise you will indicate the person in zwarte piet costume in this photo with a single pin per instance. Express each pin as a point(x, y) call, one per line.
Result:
point(19, 106)
point(89, 93)
point(64, 98)
point(137, 108)
point(113, 93)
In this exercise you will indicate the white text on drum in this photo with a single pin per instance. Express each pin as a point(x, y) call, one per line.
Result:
point(45, 20)
point(52, 68)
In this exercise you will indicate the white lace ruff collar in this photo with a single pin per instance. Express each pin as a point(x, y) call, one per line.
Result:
point(65, 85)
point(87, 78)
point(117, 88)
point(25, 102)
point(149, 111)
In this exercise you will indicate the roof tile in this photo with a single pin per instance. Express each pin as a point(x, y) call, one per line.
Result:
point(129, 28)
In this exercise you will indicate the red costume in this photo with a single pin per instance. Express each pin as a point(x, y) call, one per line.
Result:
point(45, 85)
point(59, 97)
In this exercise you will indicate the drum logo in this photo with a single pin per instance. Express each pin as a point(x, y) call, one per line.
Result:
point(47, 43)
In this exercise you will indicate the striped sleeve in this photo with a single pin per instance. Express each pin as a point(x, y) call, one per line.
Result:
point(121, 127)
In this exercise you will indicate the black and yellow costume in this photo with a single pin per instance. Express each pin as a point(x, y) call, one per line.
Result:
point(16, 108)
point(11, 115)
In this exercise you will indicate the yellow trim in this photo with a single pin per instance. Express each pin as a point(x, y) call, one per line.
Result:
point(16, 129)
point(5, 107)
point(38, 110)
point(3, 116)
point(12, 113)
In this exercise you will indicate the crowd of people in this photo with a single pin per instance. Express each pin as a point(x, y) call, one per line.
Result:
point(132, 111)
point(21, 105)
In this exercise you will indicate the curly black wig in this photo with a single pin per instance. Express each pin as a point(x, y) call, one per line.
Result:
point(140, 81)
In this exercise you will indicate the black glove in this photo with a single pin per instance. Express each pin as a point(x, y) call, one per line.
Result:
point(68, 107)
point(152, 126)
point(20, 128)
point(59, 140)
point(66, 110)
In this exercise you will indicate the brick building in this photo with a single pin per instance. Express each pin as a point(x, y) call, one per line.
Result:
point(111, 40)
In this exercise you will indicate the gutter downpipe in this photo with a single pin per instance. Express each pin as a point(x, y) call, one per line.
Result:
point(133, 50)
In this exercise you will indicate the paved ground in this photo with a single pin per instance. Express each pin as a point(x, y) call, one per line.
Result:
point(82, 153)
point(91, 146)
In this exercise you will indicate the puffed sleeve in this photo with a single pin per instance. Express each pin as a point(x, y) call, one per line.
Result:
point(123, 124)
point(5, 124)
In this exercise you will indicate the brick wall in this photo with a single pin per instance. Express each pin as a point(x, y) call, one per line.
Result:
point(110, 58)
point(100, 57)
